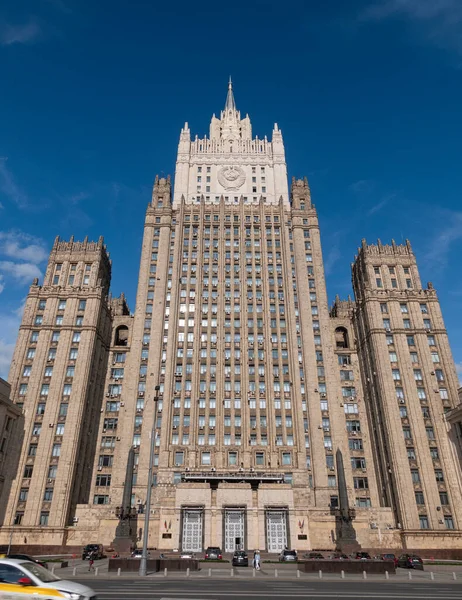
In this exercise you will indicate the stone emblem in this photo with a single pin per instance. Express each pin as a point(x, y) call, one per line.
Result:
point(231, 178)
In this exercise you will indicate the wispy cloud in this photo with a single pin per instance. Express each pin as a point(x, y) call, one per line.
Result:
point(362, 186)
point(459, 371)
point(10, 188)
point(26, 33)
point(333, 256)
point(2, 285)
point(381, 204)
point(448, 225)
point(438, 21)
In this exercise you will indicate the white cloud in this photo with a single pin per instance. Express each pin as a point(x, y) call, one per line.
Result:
point(26, 33)
point(23, 272)
point(22, 246)
point(10, 321)
point(439, 21)
point(2, 285)
point(10, 188)
point(448, 225)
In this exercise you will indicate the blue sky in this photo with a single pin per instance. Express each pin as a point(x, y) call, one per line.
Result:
point(93, 96)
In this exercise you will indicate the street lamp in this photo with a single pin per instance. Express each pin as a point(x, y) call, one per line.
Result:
point(144, 555)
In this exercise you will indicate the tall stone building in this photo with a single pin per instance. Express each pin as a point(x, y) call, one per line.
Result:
point(276, 420)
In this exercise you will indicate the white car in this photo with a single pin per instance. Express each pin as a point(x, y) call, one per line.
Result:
point(14, 569)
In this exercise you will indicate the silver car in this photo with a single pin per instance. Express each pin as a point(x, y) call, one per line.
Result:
point(14, 569)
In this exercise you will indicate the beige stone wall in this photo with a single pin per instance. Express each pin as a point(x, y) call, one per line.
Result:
point(11, 436)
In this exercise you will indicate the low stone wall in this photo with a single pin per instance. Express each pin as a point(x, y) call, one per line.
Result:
point(349, 566)
point(154, 565)
point(43, 550)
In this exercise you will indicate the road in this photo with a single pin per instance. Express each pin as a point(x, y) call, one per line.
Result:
point(204, 589)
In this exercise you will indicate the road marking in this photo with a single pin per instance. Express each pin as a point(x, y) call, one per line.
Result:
point(244, 594)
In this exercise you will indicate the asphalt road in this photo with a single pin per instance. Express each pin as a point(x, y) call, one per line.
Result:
point(195, 589)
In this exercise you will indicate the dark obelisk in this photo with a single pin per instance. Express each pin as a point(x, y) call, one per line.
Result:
point(346, 535)
point(125, 538)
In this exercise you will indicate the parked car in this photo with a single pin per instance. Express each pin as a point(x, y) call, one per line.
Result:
point(288, 556)
point(410, 561)
point(27, 557)
point(313, 556)
point(339, 556)
point(363, 556)
point(138, 553)
point(187, 555)
point(389, 556)
point(240, 559)
point(22, 572)
point(95, 549)
point(213, 553)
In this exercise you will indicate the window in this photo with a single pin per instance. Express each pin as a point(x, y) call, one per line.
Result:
point(360, 483)
point(56, 451)
point(44, 518)
point(393, 357)
point(100, 499)
point(439, 375)
point(449, 522)
point(419, 498)
point(76, 337)
point(48, 495)
point(403, 308)
point(383, 307)
point(410, 340)
point(435, 357)
point(82, 304)
point(423, 520)
point(286, 458)
point(363, 502)
point(232, 459)
point(332, 481)
point(439, 476)
point(205, 458)
point(260, 458)
point(444, 500)
point(415, 475)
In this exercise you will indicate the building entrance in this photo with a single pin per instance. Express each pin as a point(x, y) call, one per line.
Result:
point(192, 530)
point(276, 530)
point(234, 530)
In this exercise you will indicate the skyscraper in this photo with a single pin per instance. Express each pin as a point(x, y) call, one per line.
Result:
point(276, 418)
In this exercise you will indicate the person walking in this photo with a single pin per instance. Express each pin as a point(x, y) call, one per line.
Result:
point(257, 559)
point(91, 560)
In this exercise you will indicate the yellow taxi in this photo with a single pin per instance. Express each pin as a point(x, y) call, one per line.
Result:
point(27, 590)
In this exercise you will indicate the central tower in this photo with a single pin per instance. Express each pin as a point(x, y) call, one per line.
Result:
point(230, 164)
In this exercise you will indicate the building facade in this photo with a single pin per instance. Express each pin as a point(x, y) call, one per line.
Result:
point(274, 416)
point(11, 428)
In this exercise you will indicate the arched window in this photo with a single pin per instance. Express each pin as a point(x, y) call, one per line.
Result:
point(121, 336)
point(341, 338)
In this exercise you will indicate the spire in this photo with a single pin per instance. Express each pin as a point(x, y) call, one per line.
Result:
point(230, 104)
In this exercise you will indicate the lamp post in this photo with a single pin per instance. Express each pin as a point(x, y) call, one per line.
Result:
point(144, 555)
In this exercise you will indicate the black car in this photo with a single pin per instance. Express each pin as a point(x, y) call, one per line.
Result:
point(213, 553)
point(93, 550)
point(29, 558)
point(410, 561)
point(288, 556)
point(363, 556)
point(240, 559)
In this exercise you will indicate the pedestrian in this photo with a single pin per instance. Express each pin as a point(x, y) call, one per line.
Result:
point(257, 560)
point(91, 560)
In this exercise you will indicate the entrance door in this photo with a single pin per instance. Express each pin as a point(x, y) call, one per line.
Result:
point(192, 531)
point(276, 530)
point(234, 528)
